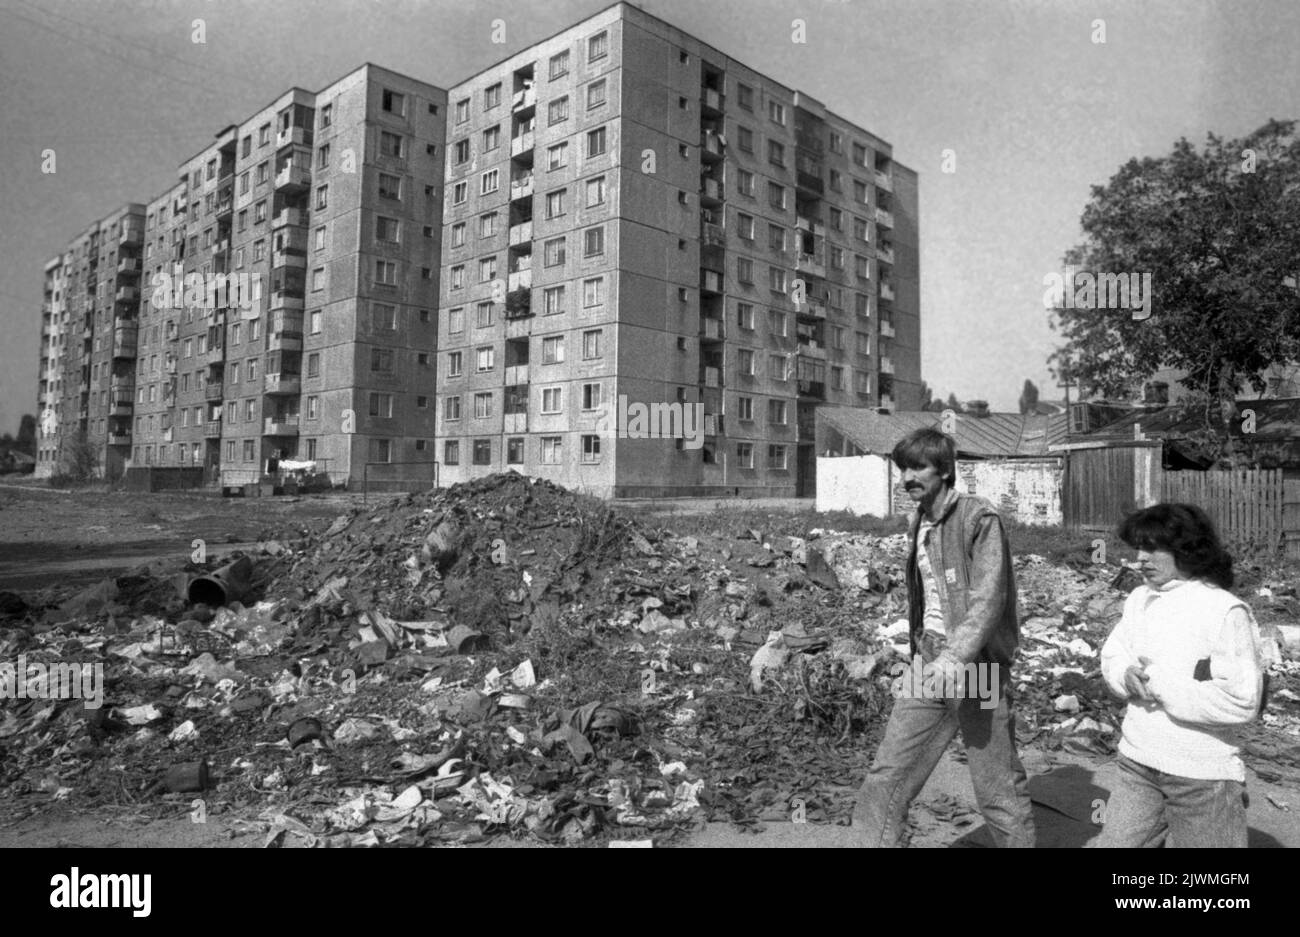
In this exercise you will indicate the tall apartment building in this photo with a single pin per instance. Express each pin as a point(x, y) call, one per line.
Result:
point(88, 343)
point(634, 219)
point(313, 228)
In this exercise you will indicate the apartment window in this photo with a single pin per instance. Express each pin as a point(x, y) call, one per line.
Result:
point(483, 316)
point(390, 144)
point(776, 238)
point(837, 258)
point(313, 364)
point(489, 182)
point(515, 450)
point(482, 452)
point(861, 268)
point(394, 103)
point(551, 400)
point(235, 331)
point(322, 197)
point(386, 229)
point(745, 226)
point(313, 407)
point(860, 228)
point(591, 396)
point(745, 361)
point(776, 195)
point(487, 225)
point(456, 320)
point(259, 250)
point(859, 154)
point(778, 323)
point(246, 151)
point(595, 142)
point(745, 270)
point(314, 321)
point(776, 112)
point(259, 212)
point(778, 367)
point(451, 452)
point(487, 269)
point(837, 378)
point(451, 409)
point(245, 179)
point(462, 111)
point(596, 191)
point(381, 405)
point(555, 203)
point(590, 448)
point(381, 450)
point(381, 359)
point(482, 405)
point(383, 317)
point(318, 278)
point(459, 193)
point(745, 409)
point(232, 379)
point(833, 180)
point(776, 412)
point(593, 242)
point(492, 97)
point(745, 182)
point(553, 252)
point(326, 115)
point(745, 96)
point(745, 315)
point(593, 292)
point(553, 349)
point(837, 337)
point(553, 299)
point(485, 358)
point(461, 151)
point(776, 279)
point(557, 111)
point(863, 343)
point(559, 65)
point(458, 234)
point(250, 408)
point(860, 191)
point(551, 451)
point(596, 94)
point(248, 450)
point(262, 170)
point(557, 156)
point(390, 186)
point(457, 277)
point(597, 46)
point(591, 344)
point(491, 138)
point(837, 219)
point(323, 156)
point(776, 153)
point(454, 364)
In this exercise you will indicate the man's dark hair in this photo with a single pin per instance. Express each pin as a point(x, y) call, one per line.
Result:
point(925, 447)
point(1186, 532)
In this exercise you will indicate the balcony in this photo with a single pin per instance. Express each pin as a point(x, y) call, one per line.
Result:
point(886, 328)
point(167, 434)
point(291, 135)
point(886, 365)
point(806, 429)
point(714, 424)
point(225, 204)
point(710, 377)
point(281, 299)
point(812, 350)
point(809, 182)
point(121, 406)
point(710, 329)
point(710, 147)
point(130, 234)
point(292, 177)
point(280, 426)
point(884, 219)
point(521, 233)
point(122, 384)
point(883, 181)
point(289, 216)
point(169, 364)
point(809, 263)
point(515, 423)
point(712, 235)
point(282, 383)
point(288, 258)
point(214, 355)
point(221, 247)
point(285, 339)
point(524, 100)
point(212, 429)
point(521, 187)
point(711, 102)
point(710, 192)
point(212, 390)
point(812, 307)
point(516, 374)
point(127, 294)
point(124, 344)
point(710, 281)
point(816, 389)
point(119, 438)
point(885, 254)
point(519, 280)
point(886, 291)
point(811, 225)
point(128, 266)
point(522, 144)
point(886, 402)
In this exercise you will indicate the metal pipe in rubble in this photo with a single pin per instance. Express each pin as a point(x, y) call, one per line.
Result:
point(229, 583)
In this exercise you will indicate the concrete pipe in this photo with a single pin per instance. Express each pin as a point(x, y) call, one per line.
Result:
point(230, 583)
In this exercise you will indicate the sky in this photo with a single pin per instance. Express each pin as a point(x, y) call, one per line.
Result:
point(1025, 106)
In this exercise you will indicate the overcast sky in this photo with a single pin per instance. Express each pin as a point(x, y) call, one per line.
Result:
point(1035, 111)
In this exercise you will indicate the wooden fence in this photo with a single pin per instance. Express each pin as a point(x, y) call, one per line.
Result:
point(1250, 508)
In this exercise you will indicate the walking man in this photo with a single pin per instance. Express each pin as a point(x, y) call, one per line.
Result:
point(962, 610)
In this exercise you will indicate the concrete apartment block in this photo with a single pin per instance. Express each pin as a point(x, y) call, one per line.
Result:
point(156, 383)
point(55, 335)
point(679, 229)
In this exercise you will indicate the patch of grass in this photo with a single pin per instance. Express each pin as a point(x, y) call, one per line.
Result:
point(1061, 545)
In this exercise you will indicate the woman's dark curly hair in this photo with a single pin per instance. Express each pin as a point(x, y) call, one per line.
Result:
point(1186, 532)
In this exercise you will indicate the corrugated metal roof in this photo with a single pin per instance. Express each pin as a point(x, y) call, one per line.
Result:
point(998, 435)
point(1277, 418)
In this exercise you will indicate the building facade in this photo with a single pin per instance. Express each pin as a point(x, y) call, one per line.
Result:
point(637, 224)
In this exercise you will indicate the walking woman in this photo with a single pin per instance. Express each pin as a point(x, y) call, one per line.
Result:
point(1187, 658)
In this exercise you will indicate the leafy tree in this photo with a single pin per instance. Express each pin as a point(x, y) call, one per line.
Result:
point(1029, 397)
point(954, 404)
point(26, 442)
point(927, 396)
point(1219, 233)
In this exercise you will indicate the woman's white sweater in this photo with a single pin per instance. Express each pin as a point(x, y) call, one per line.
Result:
point(1188, 727)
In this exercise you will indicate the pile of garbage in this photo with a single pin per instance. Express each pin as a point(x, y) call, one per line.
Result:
point(508, 657)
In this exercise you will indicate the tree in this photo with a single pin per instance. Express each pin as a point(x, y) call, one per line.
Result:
point(954, 404)
point(1218, 233)
point(927, 396)
point(1029, 397)
point(26, 442)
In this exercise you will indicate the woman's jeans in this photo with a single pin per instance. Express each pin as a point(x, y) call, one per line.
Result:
point(1149, 808)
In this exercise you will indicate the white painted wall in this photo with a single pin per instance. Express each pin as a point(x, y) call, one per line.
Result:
point(860, 484)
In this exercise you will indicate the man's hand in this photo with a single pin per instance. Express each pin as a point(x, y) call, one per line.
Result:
point(952, 673)
point(1135, 681)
